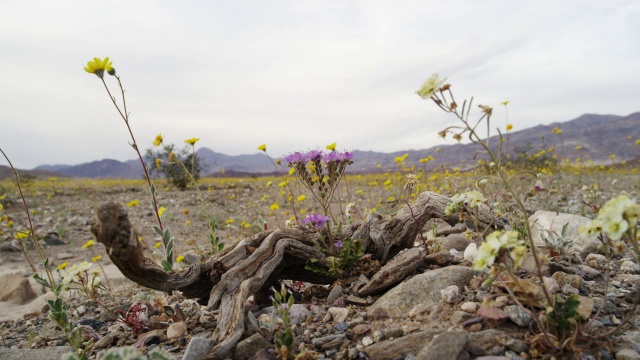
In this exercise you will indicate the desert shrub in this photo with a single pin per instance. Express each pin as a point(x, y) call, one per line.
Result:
point(179, 167)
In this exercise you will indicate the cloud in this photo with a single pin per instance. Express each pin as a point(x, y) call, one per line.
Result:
point(300, 74)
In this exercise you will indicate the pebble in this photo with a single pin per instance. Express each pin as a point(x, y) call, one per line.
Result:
point(518, 315)
point(366, 341)
point(334, 294)
point(361, 329)
point(450, 294)
point(469, 307)
point(176, 330)
point(336, 314)
point(104, 342)
point(627, 354)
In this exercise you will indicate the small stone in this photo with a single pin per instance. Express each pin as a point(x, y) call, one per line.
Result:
point(450, 294)
point(501, 301)
point(378, 335)
point(589, 272)
point(459, 317)
point(419, 310)
point(586, 307)
point(336, 314)
point(469, 307)
point(104, 342)
point(250, 346)
point(16, 289)
point(471, 252)
point(492, 313)
point(298, 313)
point(567, 279)
point(516, 345)
point(64, 256)
point(629, 267)
point(151, 340)
point(329, 341)
point(81, 310)
point(570, 290)
point(366, 341)
point(343, 326)
point(334, 294)
point(361, 329)
point(454, 241)
point(518, 315)
point(627, 354)
point(176, 330)
point(198, 348)
point(96, 325)
point(356, 300)
point(596, 261)
point(448, 345)
point(394, 333)
point(551, 284)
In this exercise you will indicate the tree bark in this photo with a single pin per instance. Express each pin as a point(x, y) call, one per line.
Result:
point(226, 280)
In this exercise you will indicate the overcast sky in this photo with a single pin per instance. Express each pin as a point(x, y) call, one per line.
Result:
point(300, 74)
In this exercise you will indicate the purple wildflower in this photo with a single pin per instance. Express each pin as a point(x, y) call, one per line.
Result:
point(296, 157)
point(314, 155)
point(337, 156)
point(338, 244)
point(317, 220)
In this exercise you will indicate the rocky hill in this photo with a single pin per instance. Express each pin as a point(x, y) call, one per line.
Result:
point(589, 136)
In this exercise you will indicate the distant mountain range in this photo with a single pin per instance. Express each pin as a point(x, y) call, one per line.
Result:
point(598, 136)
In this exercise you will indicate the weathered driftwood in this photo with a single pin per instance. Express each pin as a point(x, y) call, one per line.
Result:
point(226, 280)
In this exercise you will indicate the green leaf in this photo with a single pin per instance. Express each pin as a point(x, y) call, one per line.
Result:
point(158, 230)
point(153, 190)
point(166, 266)
point(220, 247)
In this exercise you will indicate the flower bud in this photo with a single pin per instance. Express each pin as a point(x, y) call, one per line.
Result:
point(112, 71)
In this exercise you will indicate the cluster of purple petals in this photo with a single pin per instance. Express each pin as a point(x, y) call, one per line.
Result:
point(337, 156)
point(317, 220)
point(317, 155)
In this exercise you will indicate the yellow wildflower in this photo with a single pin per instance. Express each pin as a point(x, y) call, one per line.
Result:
point(331, 147)
point(509, 127)
point(158, 140)
point(579, 147)
point(274, 207)
point(262, 147)
point(96, 258)
point(88, 244)
point(161, 211)
point(63, 265)
point(157, 245)
point(22, 234)
point(158, 163)
point(301, 198)
point(133, 203)
point(180, 258)
point(505, 103)
point(192, 141)
point(98, 66)
point(229, 221)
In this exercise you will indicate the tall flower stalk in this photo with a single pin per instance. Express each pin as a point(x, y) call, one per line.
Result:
point(99, 67)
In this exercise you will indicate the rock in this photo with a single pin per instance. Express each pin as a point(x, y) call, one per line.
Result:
point(586, 306)
point(518, 315)
point(298, 313)
point(484, 340)
point(441, 258)
point(34, 354)
point(198, 348)
point(469, 307)
point(366, 341)
point(176, 330)
point(64, 256)
point(53, 238)
point(356, 300)
point(335, 293)
point(329, 341)
point(361, 329)
point(551, 284)
point(570, 290)
point(250, 346)
point(336, 314)
point(529, 263)
point(450, 294)
point(492, 313)
point(378, 335)
point(627, 354)
point(16, 289)
point(567, 279)
point(589, 273)
point(629, 267)
point(399, 348)
point(470, 252)
point(421, 289)
point(96, 325)
point(596, 261)
point(264, 354)
point(548, 224)
point(516, 345)
point(104, 342)
point(88, 333)
point(419, 310)
point(454, 241)
point(458, 317)
point(447, 345)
